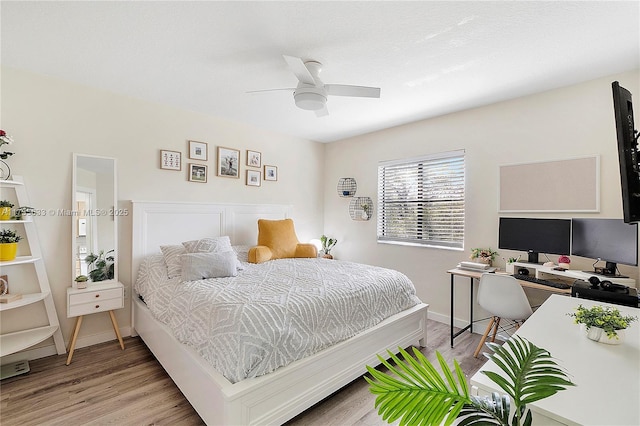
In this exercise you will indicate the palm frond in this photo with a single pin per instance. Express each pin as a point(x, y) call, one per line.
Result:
point(532, 372)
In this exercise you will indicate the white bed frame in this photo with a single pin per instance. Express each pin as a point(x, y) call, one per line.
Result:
point(273, 398)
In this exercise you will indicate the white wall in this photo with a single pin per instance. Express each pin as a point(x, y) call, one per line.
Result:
point(564, 123)
point(50, 119)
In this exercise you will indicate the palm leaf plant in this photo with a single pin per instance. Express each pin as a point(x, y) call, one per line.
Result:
point(417, 394)
point(102, 266)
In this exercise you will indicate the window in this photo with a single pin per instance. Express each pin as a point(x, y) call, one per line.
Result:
point(421, 201)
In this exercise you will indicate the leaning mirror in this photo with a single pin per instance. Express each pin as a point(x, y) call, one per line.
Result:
point(94, 225)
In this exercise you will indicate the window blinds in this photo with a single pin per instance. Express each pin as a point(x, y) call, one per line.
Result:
point(421, 200)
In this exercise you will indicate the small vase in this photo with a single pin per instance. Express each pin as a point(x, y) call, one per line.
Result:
point(510, 268)
point(5, 213)
point(599, 335)
point(327, 256)
point(485, 260)
point(8, 251)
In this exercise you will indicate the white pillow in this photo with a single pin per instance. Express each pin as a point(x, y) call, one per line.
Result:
point(197, 266)
point(171, 259)
point(208, 245)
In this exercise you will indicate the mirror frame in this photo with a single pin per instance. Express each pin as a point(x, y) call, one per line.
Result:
point(74, 215)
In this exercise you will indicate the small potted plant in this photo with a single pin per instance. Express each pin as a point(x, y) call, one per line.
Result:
point(483, 255)
point(327, 245)
point(102, 266)
point(21, 212)
point(603, 324)
point(8, 244)
point(5, 209)
point(81, 281)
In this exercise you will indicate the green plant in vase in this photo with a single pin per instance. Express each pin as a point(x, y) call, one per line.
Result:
point(327, 245)
point(101, 265)
point(8, 244)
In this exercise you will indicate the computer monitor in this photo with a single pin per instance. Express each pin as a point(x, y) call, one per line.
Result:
point(628, 155)
point(611, 240)
point(552, 236)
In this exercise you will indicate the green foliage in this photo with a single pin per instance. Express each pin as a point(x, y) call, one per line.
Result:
point(9, 236)
point(327, 243)
point(416, 394)
point(5, 203)
point(484, 253)
point(21, 212)
point(605, 317)
point(102, 266)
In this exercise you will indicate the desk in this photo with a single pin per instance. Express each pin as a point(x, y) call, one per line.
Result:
point(476, 275)
point(607, 377)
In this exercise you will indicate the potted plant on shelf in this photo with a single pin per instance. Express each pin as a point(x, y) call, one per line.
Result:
point(101, 265)
point(327, 245)
point(483, 255)
point(21, 212)
point(5, 209)
point(8, 244)
point(417, 394)
point(603, 324)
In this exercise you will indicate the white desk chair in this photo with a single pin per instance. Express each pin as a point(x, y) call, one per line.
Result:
point(503, 297)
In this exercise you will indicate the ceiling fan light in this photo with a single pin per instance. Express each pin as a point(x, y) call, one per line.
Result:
point(310, 101)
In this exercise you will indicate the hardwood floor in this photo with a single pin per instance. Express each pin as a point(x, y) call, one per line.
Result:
point(104, 385)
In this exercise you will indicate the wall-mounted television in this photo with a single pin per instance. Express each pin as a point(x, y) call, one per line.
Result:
point(550, 236)
point(611, 240)
point(627, 153)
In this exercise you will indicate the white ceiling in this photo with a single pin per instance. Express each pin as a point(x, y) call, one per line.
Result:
point(429, 58)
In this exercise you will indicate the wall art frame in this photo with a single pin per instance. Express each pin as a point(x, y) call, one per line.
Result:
point(170, 160)
point(198, 173)
point(270, 172)
point(228, 162)
point(254, 158)
point(198, 151)
point(254, 177)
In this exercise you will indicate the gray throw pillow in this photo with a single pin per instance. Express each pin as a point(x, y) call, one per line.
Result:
point(197, 266)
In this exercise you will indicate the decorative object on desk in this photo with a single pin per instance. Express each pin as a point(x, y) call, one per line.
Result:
point(327, 245)
point(347, 187)
point(509, 265)
point(4, 285)
point(564, 261)
point(5, 209)
point(361, 208)
point(610, 322)
point(416, 393)
point(21, 212)
point(81, 281)
point(8, 244)
point(102, 266)
point(5, 170)
point(483, 255)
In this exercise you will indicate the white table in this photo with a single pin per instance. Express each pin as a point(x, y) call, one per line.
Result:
point(607, 377)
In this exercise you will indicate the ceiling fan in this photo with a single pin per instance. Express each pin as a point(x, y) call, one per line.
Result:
point(311, 93)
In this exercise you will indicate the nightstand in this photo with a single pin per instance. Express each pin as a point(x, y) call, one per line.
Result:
point(93, 299)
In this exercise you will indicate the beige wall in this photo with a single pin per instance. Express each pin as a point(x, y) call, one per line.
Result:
point(565, 123)
point(50, 119)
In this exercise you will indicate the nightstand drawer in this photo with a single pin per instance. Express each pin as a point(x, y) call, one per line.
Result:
point(95, 296)
point(96, 306)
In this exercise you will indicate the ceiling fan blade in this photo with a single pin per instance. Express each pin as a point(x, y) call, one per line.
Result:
point(288, 89)
point(299, 69)
point(323, 112)
point(355, 91)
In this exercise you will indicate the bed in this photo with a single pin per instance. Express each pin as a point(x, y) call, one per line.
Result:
point(270, 397)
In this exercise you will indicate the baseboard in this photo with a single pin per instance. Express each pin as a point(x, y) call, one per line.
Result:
point(49, 350)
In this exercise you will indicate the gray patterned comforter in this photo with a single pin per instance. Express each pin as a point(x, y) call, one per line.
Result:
point(273, 313)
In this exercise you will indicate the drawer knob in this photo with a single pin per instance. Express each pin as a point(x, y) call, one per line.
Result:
point(97, 306)
point(97, 295)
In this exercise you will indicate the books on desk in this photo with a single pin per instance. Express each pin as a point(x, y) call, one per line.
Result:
point(476, 266)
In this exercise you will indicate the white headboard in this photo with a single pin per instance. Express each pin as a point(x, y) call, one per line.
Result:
point(165, 223)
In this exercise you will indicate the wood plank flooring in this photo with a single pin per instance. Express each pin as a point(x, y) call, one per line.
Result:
point(107, 386)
